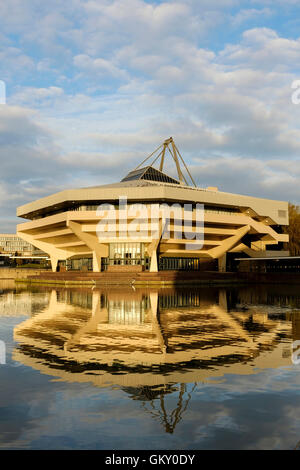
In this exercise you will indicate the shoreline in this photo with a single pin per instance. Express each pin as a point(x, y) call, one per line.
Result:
point(159, 279)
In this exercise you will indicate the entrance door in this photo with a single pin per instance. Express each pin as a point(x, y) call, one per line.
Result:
point(126, 254)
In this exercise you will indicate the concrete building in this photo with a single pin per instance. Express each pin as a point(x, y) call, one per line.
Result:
point(77, 231)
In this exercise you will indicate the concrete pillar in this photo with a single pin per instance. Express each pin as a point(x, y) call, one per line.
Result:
point(52, 307)
point(153, 262)
point(95, 302)
point(54, 263)
point(96, 262)
point(100, 314)
point(222, 263)
point(154, 303)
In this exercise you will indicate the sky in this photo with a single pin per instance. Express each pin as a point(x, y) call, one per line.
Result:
point(94, 86)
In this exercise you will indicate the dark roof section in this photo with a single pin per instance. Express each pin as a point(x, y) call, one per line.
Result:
point(151, 174)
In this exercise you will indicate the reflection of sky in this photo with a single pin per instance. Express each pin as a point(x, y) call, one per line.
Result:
point(257, 411)
point(6, 333)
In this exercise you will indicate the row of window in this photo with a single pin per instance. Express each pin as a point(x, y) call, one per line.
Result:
point(93, 207)
point(10, 243)
point(9, 238)
point(14, 243)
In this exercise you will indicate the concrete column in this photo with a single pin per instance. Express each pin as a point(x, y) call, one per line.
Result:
point(99, 249)
point(222, 263)
point(153, 262)
point(52, 307)
point(154, 303)
point(95, 302)
point(54, 253)
point(54, 263)
point(96, 262)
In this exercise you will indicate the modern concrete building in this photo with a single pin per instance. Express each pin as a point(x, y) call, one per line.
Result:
point(151, 221)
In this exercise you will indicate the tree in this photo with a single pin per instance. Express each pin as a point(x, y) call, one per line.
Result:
point(293, 230)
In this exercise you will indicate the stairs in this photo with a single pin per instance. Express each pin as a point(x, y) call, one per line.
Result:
point(144, 278)
point(77, 277)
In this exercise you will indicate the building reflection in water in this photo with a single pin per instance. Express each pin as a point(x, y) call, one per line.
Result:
point(20, 302)
point(155, 344)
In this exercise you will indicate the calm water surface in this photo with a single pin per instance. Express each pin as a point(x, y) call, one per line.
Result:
point(149, 369)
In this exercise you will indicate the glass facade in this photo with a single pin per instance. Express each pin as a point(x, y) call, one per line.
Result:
point(80, 264)
point(151, 174)
point(179, 264)
point(126, 253)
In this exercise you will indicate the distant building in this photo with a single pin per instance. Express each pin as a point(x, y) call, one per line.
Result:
point(12, 244)
point(13, 247)
point(66, 224)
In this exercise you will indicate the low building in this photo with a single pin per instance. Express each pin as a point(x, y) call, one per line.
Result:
point(152, 221)
point(13, 247)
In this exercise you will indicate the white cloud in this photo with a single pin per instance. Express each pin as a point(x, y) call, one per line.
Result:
point(263, 49)
point(14, 63)
point(35, 96)
point(248, 14)
point(249, 176)
point(99, 67)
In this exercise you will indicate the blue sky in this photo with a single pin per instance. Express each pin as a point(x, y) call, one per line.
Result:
point(95, 86)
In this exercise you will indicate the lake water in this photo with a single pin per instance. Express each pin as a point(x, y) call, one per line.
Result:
point(202, 368)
